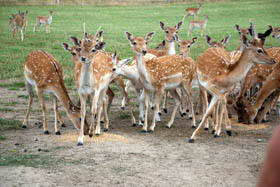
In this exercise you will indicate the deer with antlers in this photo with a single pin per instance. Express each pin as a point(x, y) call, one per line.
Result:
point(44, 72)
point(217, 75)
point(18, 22)
point(160, 74)
point(44, 20)
point(191, 11)
point(201, 24)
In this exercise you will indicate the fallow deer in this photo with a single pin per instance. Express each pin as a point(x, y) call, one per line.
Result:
point(44, 72)
point(263, 36)
point(19, 22)
point(75, 51)
point(276, 33)
point(160, 74)
point(217, 75)
point(193, 11)
point(270, 85)
point(201, 24)
point(44, 20)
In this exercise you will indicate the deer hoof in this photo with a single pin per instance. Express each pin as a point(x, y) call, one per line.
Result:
point(79, 144)
point(101, 121)
point(63, 125)
point(150, 131)
point(216, 136)
point(105, 130)
point(228, 133)
point(191, 140)
point(143, 131)
point(206, 128)
point(46, 132)
point(90, 135)
point(134, 125)
point(23, 126)
point(187, 110)
point(57, 133)
point(213, 131)
point(193, 127)
point(165, 110)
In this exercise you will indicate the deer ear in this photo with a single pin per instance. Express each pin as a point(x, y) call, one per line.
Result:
point(208, 40)
point(124, 61)
point(75, 40)
point(225, 40)
point(178, 26)
point(268, 31)
point(194, 40)
point(100, 46)
point(237, 28)
point(99, 34)
point(129, 36)
point(66, 47)
point(162, 26)
point(176, 38)
point(149, 36)
point(85, 35)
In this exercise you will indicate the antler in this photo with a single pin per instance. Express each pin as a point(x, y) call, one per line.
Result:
point(252, 26)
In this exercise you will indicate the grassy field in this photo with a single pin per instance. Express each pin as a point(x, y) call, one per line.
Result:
point(68, 20)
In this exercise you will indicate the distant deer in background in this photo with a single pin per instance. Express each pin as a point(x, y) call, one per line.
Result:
point(201, 24)
point(18, 21)
point(276, 32)
point(193, 11)
point(44, 20)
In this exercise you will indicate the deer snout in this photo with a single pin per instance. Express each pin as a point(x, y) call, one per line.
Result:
point(83, 58)
point(114, 69)
point(144, 52)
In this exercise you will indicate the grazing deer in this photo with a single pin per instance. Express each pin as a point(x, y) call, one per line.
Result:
point(160, 74)
point(270, 85)
point(44, 72)
point(276, 33)
point(44, 20)
point(201, 24)
point(75, 51)
point(217, 75)
point(193, 11)
point(19, 22)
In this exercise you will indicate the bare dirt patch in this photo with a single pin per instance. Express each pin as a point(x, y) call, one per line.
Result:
point(124, 156)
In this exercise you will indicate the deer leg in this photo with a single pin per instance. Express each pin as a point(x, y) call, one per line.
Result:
point(187, 88)
point(121, 86)
point(59, 118)
point(43, 106)
point(106, 119)
point(30, 100)
point(158, 95)
point(127, 85)
point(205, 116)
point(83, 116)
point(146, 107)
point(93, 112)
point(111, 96)
point(56, 113)
point(141, 99)
point(205, 106)
point(22, 34)
point(99, 111)
point(165, 102)
point(190, 30)
point(177, 99)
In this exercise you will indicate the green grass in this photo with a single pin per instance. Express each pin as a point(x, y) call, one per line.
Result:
point(2, 138)
point(6, 109)
point(115, 20)
point(30, 160)
point(10, 124)
point(9, 103)
point(14, 86)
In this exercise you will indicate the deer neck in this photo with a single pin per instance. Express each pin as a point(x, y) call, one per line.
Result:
point(240, 69)
point(143, 74)
point(86, 79)
point(50, 19)
point(170, 47)
point(130, 72)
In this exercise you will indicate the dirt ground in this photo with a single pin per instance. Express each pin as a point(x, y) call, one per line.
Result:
point(125, 157)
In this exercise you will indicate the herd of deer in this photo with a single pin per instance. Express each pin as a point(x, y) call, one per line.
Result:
point(251, 69)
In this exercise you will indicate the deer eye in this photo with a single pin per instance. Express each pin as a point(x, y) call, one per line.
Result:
point(74, 54)
point(93, 50)
point(134, 43)
point(79, 49)
point(166, 32)
point(260, 51)
point(189, 46)
point(97, 40)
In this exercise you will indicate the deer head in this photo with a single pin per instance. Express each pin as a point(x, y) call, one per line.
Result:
point(221, 44)
point(185, 45)
point(139, 44)
point(170, 31)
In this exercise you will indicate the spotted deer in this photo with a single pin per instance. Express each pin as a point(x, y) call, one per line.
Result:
point(75, 52)
point(160, 74)
point(201, 24)
point(42, 71)
point(18, 22)
point(270, 85)
point(43, 20)
point(217, 75)
point(276, 32)
point(191, 11)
